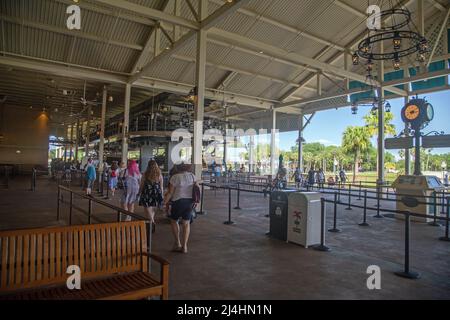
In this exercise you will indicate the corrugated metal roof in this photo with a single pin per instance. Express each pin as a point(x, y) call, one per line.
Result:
point(37, 29)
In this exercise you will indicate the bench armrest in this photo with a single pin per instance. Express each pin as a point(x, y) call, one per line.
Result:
point(164, 273)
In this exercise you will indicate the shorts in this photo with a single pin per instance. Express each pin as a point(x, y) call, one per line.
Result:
point(182, 209)
point(90, 183)
point(113, 183)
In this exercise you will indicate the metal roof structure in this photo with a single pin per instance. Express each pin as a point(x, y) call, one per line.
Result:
point(291, 55)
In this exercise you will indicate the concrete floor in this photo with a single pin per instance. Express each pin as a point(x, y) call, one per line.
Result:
point(241, 262)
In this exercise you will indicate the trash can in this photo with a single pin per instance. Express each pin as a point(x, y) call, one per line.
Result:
point(278, 214)
point(304, 218)
point(417, 187)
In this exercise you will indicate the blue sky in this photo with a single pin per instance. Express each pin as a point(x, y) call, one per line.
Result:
point(327, 126)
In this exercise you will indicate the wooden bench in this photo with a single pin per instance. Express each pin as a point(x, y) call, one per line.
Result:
point(112, 257)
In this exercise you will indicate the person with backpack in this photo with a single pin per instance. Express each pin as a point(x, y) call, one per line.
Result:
point(113, 177)
point(151, 191)
point(183, 195)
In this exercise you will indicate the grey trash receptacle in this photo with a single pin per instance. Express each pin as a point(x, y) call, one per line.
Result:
point(279, 214)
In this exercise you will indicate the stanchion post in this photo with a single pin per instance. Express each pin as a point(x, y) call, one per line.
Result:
point(118, 216)
point(335, 229)
point(238, 197)
point(443, 203)
point(229, 222)
point(89, 211)
point(202, 212)
point(364, 223)
point(57, 204)
point(434, 223)
point(407, 273)
point(107, 186)
point(359, 192)
point(339, 192)
point(322, 246)
point(70, 208)
point(378, 215)
point(349, 207)
point(446, 237)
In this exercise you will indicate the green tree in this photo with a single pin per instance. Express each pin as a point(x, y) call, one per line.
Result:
point(371, 120)
point(355, 141)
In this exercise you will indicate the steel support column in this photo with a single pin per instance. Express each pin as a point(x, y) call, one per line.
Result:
point(101, 147)
point(88, 130)
point(200, 99)
point(126, 123)
point(273, 143)
point(381, 123)
point(300, 143)
point(407, 151)
point(77, 139)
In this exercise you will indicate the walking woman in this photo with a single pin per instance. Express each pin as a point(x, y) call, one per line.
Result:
point(132, 178)
point(180, 194)
point(113, 178)
point(151, 191)
point(90, 176)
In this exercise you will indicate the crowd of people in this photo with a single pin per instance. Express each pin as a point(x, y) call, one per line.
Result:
point(147, 190)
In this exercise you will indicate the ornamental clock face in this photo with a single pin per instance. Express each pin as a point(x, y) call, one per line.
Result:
point(430, 112)
point(412, 112)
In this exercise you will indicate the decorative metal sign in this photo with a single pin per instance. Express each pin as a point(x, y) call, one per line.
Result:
point(399, 143)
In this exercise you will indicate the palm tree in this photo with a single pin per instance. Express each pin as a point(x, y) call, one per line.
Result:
point(371, 120)
point(355, 141)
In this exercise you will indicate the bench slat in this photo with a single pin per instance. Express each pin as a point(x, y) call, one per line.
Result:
point(92, 250)
point(52, 249)
point(19, 259)
point(39, 257)
point(26, 258)
point(46, 256)
point(11, 260)
point(82, 254)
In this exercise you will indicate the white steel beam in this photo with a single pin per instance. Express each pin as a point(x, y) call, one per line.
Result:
point(151, 13)
point(290, 56)
point(205, 25)
point(148, 44)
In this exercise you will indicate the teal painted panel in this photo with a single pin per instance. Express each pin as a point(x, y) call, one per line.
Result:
point(431, 83)
point(359, 96)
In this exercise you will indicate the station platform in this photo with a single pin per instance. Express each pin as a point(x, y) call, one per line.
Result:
point(241, 262)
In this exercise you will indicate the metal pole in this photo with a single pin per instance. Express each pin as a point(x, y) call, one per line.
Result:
point(201, 212)
point(378, 215)
point(364, 223)
point(435, 209)
point(447, 238)
point(406, 273)
point(443, 203)
point(70, 208)
point(349, 197)
point(322, 246)
point(89, 211)
point(57, 205)
point(238, 198)
point(118, 216)
point(339, 192)
point(335, 229)
point(360, 188)
point(107, 186)
point(229, 222)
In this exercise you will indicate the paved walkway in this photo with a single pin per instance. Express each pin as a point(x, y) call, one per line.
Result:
point(241, 262)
